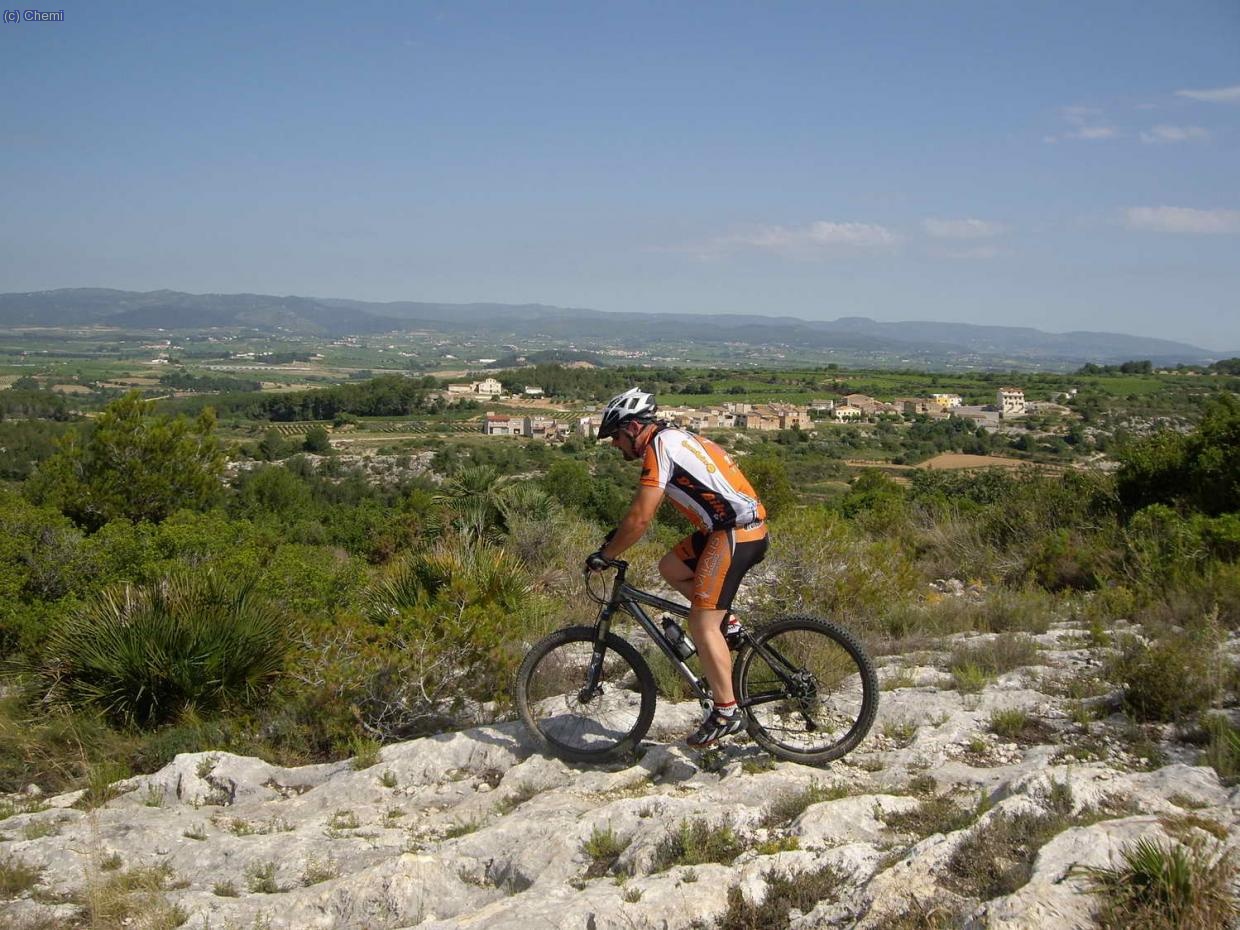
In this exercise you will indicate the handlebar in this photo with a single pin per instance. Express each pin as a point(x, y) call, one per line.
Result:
point(619, 565)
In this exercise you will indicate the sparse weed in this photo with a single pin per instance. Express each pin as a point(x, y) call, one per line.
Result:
point(342, 820)
point(260, 878)
point(519, 795)
point(755, 765)
point(787, 807)
point(39, 829)
point(154, 796)
point(1181, 826)
point(100, 780)
point(901, 732)
point(197, 832)
point(936, 814)
point(968, 678)
point(1222, 752)
point(317, 871)
point(778, 845)
point(16, 877)
point(365, 752)
point(125, 897)
point(225, 890)
point(899, 678)
point(631, 895)
point(1003, 653)
point(388, 779)
point(462, 828)
point(206, 765)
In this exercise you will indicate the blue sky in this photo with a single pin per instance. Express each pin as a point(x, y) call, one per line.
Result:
point(1062, 165)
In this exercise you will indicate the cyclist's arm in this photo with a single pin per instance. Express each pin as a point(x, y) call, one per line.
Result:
point(641, 512)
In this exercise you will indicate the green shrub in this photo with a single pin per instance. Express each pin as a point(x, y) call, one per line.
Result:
point(145, 655)
point(603, 847)
point(785, 892)
point(695, 842)
point(1160, 886)
point(1170, 680)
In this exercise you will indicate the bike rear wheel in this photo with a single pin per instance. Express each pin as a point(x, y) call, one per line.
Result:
point(576, 724)
point(809, 689)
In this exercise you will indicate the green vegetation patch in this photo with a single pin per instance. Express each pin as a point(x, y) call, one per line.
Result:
point(1160, 885)
point(695, 842)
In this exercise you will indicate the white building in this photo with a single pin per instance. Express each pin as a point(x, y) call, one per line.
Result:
point(1010, 401)
point(947, 401)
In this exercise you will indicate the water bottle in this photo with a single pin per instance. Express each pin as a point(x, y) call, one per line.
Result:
point(676, 637)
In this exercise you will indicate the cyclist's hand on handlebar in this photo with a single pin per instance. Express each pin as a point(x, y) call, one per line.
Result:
point(597, 562)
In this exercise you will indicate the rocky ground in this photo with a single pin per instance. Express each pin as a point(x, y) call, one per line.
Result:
point(936, 821)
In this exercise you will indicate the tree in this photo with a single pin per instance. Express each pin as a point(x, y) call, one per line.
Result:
point(134, 465)
point(317, 441)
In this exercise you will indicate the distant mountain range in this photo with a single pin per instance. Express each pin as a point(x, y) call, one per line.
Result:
point(912, 343)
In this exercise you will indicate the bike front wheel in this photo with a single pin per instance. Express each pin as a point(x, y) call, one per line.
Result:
point(809, 688)
point(569, 717)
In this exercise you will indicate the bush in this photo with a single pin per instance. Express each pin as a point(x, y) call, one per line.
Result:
point(695, 842)
point(785, 892)
point(1160, 886)
point(997, 857)
point(144, 655)
point(1172, 680)
point(1003, 653)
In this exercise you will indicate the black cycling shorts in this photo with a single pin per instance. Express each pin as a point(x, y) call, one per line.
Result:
point(719, 560)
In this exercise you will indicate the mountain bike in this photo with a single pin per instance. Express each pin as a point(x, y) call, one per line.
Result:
point(807, 689)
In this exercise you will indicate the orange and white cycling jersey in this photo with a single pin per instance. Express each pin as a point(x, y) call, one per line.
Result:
point(701, 479)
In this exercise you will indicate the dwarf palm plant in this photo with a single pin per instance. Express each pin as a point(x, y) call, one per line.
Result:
point(146, 654)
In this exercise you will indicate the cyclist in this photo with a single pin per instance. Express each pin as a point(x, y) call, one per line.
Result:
point(704, 483)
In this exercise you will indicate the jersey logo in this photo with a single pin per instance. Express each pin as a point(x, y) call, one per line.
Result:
point(710, 466)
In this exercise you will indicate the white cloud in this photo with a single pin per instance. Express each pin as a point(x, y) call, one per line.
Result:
point(962, 229)
point(810, 241)
point(1091, 133)
point(1085, 125)
point(973, 253)
point(1166, 133)
point(1213, 94)
point(1183, 220)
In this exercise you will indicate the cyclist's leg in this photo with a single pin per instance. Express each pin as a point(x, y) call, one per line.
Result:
point(680, 563)
point(727, 556)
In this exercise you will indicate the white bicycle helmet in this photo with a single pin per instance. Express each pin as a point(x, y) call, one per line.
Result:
point(633, 404)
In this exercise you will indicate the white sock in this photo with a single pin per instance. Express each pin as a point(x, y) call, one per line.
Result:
point(726, 710)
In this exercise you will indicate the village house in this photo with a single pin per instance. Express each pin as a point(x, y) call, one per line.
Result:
point(1010, 401)
point(844, 412)
point(863, 402)
point(501, 424)
point(946, 401)
point(487, 387)
point(916, 405)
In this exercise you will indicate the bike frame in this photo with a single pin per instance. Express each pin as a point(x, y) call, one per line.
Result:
point(630, 599)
